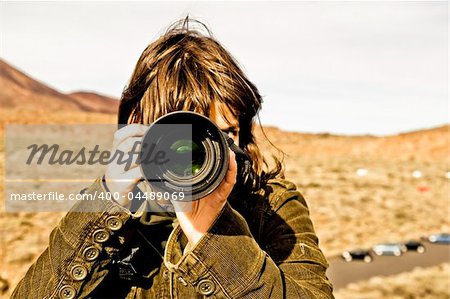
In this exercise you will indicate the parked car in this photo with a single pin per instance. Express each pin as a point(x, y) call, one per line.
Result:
point(358, 254)
point(415, 246)
point(394, 249)
point(439, 238)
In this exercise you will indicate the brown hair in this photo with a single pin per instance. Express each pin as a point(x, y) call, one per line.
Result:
point(187, 70)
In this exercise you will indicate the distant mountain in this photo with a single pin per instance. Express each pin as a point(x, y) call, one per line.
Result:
point(421, 145)
point(96, 102)
point(20, 91)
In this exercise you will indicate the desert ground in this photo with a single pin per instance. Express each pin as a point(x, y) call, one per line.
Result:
point(426, 283)
point(360, 190)
point(387, 204)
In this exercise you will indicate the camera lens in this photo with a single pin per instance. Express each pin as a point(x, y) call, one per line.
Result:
point(184, 152)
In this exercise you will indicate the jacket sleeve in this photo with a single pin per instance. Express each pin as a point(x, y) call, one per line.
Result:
point(228, 262)
point(79, 249)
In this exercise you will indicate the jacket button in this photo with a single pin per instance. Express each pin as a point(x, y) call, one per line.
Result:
point(101, 235)
point(91, 253)
point(165, 275)
point(114, 223)
point(67, 292)
point(79, 272)
point(205, 287)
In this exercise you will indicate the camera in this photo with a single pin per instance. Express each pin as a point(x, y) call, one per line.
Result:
point(192, 156)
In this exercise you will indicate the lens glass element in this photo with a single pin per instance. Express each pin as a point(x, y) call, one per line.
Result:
point(188, 157)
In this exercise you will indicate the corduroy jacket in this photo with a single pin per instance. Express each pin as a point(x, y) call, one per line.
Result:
point(263, 246)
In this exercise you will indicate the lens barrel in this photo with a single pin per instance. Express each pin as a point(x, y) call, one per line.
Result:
point(184, 152)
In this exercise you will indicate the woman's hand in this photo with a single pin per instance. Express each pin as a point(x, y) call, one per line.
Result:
point(196, 222)
point(118, 177)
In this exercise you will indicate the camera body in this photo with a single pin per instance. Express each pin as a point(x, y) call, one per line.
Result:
point(194, 156)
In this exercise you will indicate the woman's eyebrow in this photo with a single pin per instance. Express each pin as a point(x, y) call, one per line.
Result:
point(229, 129)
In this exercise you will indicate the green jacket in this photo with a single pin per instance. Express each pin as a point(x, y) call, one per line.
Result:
point(262, 247)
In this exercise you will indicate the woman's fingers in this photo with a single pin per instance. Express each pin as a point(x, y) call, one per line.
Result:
point(230, 177)
point(132, 130)
point(134, 175)
point(123, 172)
point(129, 177)
point(229, 181)
point(130, 143)
point(123, 184)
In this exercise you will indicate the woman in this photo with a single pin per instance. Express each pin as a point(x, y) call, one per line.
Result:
point(245, 244)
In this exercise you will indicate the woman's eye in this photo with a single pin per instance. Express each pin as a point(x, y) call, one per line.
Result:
point(233, 133)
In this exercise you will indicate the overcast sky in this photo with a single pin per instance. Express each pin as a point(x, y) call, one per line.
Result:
point(339, 67)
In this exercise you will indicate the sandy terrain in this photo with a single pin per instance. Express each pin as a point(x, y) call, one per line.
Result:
point(386, 204)
point(428, 283)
